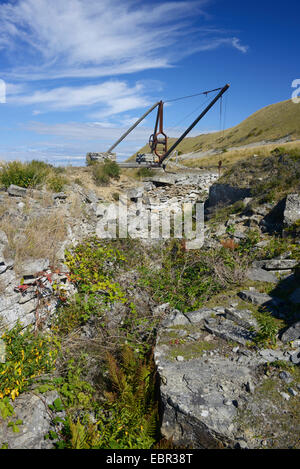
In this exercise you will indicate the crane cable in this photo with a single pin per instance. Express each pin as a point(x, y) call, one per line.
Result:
point(190, 113)
point(223, 110)
point(192, 95)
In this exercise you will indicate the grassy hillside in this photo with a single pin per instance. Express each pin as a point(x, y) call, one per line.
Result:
point(229, 158)
point(270, 177)
point(269, 123)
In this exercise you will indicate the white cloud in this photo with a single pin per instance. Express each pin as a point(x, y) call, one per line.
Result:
point(114, 96)
point(14, 89)
point(70, 36)
point(88, 131)
point(237, 44)
point(68, 143)
point(99, 131)
point(90, 38)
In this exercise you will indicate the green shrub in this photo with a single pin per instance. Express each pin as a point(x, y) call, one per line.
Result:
point(127, 417)
point(27, 356)
point(144, 172)
point(278, 246)
point(100, 178)
point(92, 265)
point(104, 172)
point(268, 328)
point(188, 279)
point(247, 244)
point(24, 174)
point(56, 183)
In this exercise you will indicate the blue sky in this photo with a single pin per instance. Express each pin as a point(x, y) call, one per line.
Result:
point(79, 72)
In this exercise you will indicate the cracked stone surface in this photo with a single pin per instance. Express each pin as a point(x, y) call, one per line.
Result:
point(207, 382)
point(34, 412)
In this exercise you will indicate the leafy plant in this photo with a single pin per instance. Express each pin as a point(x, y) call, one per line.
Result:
point(230, 229)
point(6, 409)
point(75, 392)
point(187, 279)
point(268, 328)
point(278, 246)
point(144, 172)
point(92, 265)
point(127, 416)
point(15, 425)
point(27, 356)
point(24, 174)
point(246, 245)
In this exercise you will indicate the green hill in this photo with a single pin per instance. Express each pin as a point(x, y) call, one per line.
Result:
point(269, 123)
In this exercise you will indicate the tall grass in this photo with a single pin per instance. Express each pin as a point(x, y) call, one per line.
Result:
point(37, 238)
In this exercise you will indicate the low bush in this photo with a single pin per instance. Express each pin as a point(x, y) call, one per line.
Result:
point(56, 183)
point(27, 356)
point(126, 417)
point(268, 328)
point(104, 172)
point(91, 265)
point(144, 172)
point(24, 174)
point(188, 279)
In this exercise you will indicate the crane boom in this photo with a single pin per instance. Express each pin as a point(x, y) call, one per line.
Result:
point(157, 157)
point(132, 127)
point(219, 95)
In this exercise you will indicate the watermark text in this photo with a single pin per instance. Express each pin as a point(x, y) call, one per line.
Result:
point(296, 93)
point(137, 220)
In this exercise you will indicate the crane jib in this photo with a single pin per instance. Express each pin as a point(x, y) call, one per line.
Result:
point(158, 141)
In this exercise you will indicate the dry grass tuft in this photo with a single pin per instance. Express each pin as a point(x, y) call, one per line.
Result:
point(38, 238)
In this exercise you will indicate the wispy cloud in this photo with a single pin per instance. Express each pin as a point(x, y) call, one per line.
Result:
point(98, 131)
point(91, 38)
point(88, 131)
point(112, 96)
point(88, 38)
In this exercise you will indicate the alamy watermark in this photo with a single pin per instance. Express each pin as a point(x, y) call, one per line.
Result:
point(139, 220)
point(2, 92)
point(296, 93)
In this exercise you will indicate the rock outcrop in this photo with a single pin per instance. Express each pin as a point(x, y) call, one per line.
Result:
point(209, 381)
point(37, 420)
point(291, 213)
point(224, 194)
